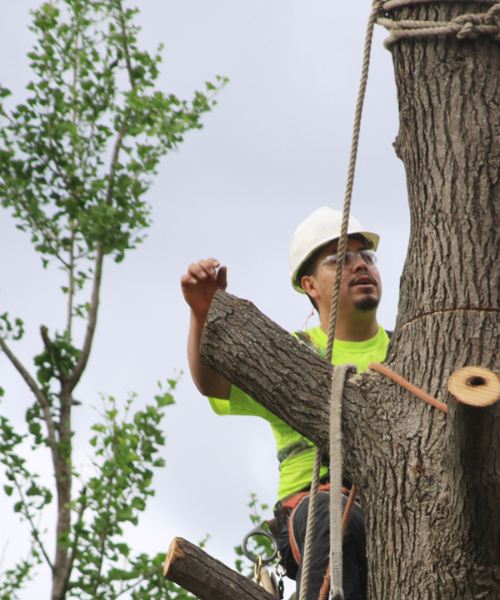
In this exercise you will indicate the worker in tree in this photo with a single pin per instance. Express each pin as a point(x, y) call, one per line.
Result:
point(359, 340)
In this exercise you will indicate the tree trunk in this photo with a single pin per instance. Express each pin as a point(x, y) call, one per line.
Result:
point(430, 483)
point(449, 309)
point(207, 578)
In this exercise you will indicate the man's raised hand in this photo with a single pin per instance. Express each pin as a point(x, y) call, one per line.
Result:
point(199, 285)
point(201, 282)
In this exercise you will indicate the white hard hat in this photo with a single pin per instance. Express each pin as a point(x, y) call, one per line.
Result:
point(320, 228)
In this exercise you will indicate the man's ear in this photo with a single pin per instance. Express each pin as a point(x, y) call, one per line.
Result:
point(308, 284)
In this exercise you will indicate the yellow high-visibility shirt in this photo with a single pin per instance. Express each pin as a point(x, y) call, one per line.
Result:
point(296, 470)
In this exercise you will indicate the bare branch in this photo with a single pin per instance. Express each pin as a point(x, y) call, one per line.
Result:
point(40, 396)
point(206, 577)
point(125, 44)
point(91, 325)
point(34, 530)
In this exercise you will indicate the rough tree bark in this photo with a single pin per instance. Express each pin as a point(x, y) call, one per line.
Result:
point(430, 483)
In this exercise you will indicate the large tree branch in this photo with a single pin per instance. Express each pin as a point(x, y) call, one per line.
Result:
point(283, 375)
point(207, 578)
point(269, 364)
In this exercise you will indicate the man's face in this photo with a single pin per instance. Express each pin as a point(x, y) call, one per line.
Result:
point(361, 287)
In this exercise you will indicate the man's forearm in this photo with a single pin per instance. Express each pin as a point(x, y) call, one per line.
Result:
point(208, 382)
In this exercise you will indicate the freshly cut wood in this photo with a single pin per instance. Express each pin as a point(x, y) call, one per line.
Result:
point(475, 386)
point(207, 578)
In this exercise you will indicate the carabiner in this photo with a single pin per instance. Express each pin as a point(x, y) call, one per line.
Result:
point(259, 530)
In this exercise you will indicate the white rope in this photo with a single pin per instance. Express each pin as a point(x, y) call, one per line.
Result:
point(336, 587)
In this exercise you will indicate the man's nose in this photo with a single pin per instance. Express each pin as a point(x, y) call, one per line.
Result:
point(359, 263)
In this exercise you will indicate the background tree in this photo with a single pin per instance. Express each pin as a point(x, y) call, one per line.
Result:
point(76, 159)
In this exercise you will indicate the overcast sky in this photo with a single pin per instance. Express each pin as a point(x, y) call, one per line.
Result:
point(274, 149)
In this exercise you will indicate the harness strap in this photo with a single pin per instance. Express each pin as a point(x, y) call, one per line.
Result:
point(291, 502)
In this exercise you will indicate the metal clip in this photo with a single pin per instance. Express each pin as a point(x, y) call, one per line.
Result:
point(257, 570)
point(279, 573)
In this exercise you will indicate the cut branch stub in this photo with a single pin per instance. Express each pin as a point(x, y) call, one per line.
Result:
point(475, 386)
point(197, 572)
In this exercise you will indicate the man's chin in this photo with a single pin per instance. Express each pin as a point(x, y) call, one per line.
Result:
point(367, 303)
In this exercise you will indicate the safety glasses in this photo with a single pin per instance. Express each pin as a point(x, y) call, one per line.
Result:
point(367, 256)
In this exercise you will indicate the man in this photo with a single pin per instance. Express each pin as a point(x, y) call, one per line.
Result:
point(359, 340)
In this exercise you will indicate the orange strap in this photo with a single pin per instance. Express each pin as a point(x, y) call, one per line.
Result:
point(291, 534)
point(346, 517)
point(293, 501)
point(409, 386)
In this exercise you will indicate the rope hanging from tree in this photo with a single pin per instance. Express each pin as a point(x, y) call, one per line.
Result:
point(466, 26)
point(336, 590)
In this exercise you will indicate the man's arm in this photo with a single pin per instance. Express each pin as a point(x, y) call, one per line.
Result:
point(199, 285)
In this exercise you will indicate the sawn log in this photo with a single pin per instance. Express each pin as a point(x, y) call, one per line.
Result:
point(197, 572)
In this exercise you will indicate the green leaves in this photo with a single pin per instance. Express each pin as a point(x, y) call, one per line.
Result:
point(125, 450)
point(165, 398)
point(79, 154)
point(57, 360)
point(32, 496)
point(13, 331)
